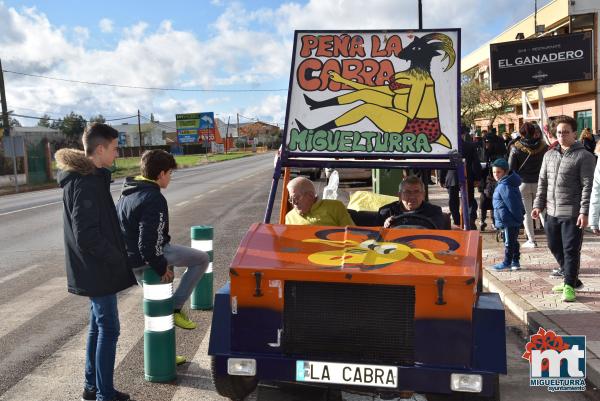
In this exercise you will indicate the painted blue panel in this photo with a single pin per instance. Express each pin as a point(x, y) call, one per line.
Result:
point(443, 342)
point(253, 329)
point(220, 331)
point(489, 335)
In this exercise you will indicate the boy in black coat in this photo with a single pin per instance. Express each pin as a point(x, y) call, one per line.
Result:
point(144, 217)
point(95, 252)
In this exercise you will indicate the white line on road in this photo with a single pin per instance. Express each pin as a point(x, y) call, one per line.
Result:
point(182, 203)
point(29, 208)
point(17, 273)
point(198, 196)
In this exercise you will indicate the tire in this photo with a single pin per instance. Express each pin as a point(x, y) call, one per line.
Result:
point(314, 176)
point(235, 388)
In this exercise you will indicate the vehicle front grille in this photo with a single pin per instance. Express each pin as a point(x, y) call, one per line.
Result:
point(349, 322)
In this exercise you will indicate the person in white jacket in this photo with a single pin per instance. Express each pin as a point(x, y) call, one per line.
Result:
point(594, 215)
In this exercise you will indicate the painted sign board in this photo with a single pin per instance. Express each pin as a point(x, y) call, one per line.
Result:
point(373, 94)
point(542, 61)
point(195, 127)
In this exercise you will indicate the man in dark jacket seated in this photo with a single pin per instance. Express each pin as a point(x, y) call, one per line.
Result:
point(412, 209)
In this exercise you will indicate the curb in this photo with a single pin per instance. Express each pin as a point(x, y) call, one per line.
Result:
point(534, 319)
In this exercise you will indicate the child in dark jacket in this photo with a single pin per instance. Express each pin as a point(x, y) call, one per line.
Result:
point(144, 219)
point(508, 212)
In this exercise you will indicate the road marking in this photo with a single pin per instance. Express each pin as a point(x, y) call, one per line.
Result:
point(196, 382)
point(198, 196)
point(17, 273)
point(61, 373)
point(213, 190)
point(26, 306)
point(182, 203)
point(29, 208)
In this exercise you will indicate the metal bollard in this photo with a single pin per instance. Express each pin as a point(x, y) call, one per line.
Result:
point(202, 296)
point(159, 331)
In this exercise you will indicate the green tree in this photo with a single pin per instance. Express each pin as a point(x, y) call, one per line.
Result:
point(45, 121)
point(98, 119)
point(12, 122)
point(73, 125)
point(479, 101)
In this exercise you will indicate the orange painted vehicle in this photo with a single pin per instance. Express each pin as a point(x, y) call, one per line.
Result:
point(362, 309)
point(305, 302)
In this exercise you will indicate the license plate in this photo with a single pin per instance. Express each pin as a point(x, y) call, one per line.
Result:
point(345, 373)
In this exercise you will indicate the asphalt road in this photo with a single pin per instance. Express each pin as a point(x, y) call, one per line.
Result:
point(43, 328)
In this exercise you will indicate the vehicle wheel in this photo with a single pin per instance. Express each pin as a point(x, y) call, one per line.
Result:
point(315, 176)
point(235, 388)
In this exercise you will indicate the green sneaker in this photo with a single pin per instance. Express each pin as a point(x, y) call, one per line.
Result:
point(568, 293)
point(181, 320)
point(180, 360)
point(559, 288)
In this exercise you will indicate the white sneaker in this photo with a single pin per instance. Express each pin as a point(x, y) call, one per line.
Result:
point(529, 244)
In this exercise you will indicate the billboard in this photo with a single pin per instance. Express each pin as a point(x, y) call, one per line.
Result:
point(195, 127)
point(373, 94)
point(542, 61)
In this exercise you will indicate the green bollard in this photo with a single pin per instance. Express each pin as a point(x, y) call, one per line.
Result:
point(202, 239)
point(159, 331)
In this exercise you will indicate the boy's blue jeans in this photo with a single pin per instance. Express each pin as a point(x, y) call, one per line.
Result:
point(511, 245)
point(102, 346)
point(177, 255)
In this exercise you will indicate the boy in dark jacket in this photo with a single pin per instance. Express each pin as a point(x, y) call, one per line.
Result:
point(95, 252)
point(508, 212)
point(144, 217)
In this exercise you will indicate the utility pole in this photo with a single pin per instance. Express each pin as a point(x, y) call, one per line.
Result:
point(227, 133)
point(6, 126)
point(420, 14)
point(140, 132)
point(237, 116)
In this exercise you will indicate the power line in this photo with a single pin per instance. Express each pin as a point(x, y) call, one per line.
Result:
point(142, 87)
point(61, 119)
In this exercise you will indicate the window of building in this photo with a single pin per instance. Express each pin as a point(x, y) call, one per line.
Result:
point(584, 119)
point(582, 22)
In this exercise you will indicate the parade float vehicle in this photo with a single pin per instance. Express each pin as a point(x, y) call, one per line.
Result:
point(387, 311)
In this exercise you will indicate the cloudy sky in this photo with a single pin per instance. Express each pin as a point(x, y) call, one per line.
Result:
point(237, 52)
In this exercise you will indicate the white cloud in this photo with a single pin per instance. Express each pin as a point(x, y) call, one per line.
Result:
point(249, 48)
point(106, 25)
point(270, 109)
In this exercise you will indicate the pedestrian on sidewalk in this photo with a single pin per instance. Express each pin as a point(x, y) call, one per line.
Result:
point(449, 180)
point(95, 251)
point(594, 220)
point(508, 212)
point(487, 186)
point(144, 217)
point(526, 158)
point(564, 190)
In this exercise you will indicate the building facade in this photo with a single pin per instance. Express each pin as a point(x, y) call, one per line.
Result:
point(579, 99)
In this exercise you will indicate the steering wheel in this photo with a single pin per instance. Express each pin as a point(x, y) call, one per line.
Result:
point(411, 220)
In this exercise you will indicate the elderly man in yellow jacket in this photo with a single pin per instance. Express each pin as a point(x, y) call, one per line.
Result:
point(310, 210)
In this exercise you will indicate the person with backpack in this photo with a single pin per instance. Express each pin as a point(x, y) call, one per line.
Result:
point(525, 158)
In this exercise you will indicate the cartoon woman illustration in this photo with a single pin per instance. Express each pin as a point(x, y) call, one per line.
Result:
point(407, 104)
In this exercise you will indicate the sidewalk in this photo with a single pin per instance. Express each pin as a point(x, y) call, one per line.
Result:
point(527, 292)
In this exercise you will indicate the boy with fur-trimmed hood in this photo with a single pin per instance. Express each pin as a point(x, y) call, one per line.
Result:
point(96, 259)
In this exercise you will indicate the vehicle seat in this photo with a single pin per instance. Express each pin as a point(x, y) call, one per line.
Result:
point(364, 218)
